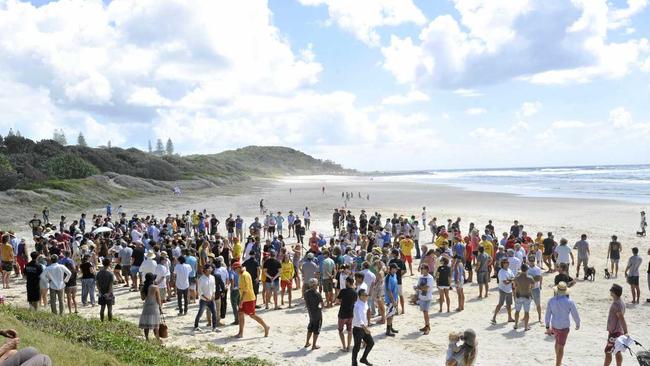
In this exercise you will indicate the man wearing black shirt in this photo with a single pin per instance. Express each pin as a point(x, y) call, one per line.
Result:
point(252, 266)
point(549, 247)
point(138, 258)
point(515, 230)
point(563, 276)
point(348, 297)
point(401, 269)
point(33, 272)
point(314, 303)
point(272, 272)
point(34, 223)
point(336, 221)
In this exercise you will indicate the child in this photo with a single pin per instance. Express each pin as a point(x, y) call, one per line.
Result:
point(443, 279)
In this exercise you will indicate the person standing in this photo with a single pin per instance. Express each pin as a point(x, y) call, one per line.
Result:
point(150, 316)
point(425, 295)
point(360, 330)
point(583, 254)
point(483, 262)
point(247, 301)
point(632, 274)
point(7, 257)
point(182, 272)
point(328, 272)
point(523, 293)
point(57, 276)
point(286, 278)
point(558, 323)
point(314, 304)
point(616, 324)
point(347, 296)
point(105, 280)
point(206, 292)
point(614, 254)
point(33, 271)
point(272, 269)
point(536, 273)
point(87, 281)
point(233, 277)
point(390, 297)
point(505, 291)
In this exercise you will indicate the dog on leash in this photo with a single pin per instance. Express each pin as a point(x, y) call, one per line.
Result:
point(590, 274)
point(607, 275)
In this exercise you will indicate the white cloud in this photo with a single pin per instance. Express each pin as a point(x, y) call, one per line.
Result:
point(567, 124)
point(412, 97)
point(529, 109)
point(147, 97)
point(468, 92)
point(362, 17)
point(498, 40)
point(475, 111)
point(621, 17)
point(620, 117)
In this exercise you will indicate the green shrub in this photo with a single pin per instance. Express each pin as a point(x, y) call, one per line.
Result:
point(68, 166)
point(8, 175)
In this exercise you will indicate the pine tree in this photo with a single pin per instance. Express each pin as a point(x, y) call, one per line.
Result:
point(170, 147)
point(81, 140)
point(18, 133)
point(11, 133)
point(108, 145)
point(160, 148)
point(59, 136)
point(150, 149)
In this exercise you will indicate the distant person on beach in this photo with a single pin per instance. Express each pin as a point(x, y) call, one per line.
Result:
point(105, 280)
point(632, 274)
point(614, 254)
point(582, 246)
point(558, 324)
point(643, 225)
point(262, 206)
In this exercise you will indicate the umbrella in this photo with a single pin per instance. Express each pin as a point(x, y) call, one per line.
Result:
point(103, 229)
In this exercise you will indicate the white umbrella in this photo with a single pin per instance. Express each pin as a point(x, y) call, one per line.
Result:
point(103, 229)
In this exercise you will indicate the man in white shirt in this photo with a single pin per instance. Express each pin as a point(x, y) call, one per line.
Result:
point(149, 264)
point(360, 330)
point(57, 275)
point(505, 290)
point(425, 294)
point(162, 276)
point(514, 263)
point(564, 253)
point(182, 272)
point(206, 289)
point(306, 215)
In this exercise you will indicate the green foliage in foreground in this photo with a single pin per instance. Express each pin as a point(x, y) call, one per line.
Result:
point(119, 340)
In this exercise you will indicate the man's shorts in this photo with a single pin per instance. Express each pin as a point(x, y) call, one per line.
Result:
point(633, 280)
point(335, 224)
point(522, 302)
point(584, 262)
point(614, 261)
point(611, 341)
point(399, 290)
point(424, 305)
point(328, 285)
point(505, 298)
point(483, 278)
point(135, 270)
point(286, 285)
point(408, 259)
point(7, 266)
point(347, 323)
point(561, 335)
point(315, 325)
point(537, 296)
point(272, 285)
point(468, 265)
point(271, 229)
point(247, 307)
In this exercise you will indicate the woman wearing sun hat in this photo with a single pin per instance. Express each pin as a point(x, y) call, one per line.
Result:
point(558, 312)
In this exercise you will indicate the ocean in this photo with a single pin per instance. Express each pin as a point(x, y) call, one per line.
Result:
point(621, 182)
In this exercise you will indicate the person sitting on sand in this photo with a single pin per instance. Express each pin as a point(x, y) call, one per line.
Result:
point(10, 355)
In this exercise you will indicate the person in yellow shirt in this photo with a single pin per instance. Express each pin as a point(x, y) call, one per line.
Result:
point(406, 245)
point(487, 246)
point(442, 241)
point(286, 277)
point(247, 300)
point(7, 254)
point(236, 250)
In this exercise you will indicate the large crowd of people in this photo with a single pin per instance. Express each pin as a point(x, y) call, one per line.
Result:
point(187, 258)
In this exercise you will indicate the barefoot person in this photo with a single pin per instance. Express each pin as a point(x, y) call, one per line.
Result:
point(314, 304)
point(483, 263)
point(614, 254)
point(616, 324)
point(632, 274)
point(523, 293)
point(536, 273)
point(425, 295)
point(360, 330)
point(247, 301)
point(558, 323)
point(505, 291)
point(150, 316)
point(347, 296)
point(443, 280)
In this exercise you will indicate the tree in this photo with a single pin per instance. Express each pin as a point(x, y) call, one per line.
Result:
point(18, 133)
point(11, 133)
point(81, 140)
point(160, 148)
point(149, 147)
point(108, 145)
point(59, 136)
point(170, 147)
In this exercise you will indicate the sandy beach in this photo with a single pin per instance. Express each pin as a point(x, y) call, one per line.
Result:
point(567, 218)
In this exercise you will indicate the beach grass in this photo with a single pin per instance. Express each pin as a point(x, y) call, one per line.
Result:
point(73, 340)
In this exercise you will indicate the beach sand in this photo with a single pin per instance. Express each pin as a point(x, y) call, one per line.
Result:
point(568, 218)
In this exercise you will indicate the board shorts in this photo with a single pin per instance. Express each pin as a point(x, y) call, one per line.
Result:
point(522, 302)
point(315, 324)
point(561, 335)
point(336, 224)
point(286, 285)
point(483, 278)
point(247, 307)
point(424, 305)
point(408, 259)
point(611, 341)
point(537, 296)
point(135, 270)
point(468, 266)
point(505, 298)
point(7, 266)
point(272, 285)
point(584, 262)
point(345, 322)
point(633, 280)
point(328, 285)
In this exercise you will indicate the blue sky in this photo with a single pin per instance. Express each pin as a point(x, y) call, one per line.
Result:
point(372, 84)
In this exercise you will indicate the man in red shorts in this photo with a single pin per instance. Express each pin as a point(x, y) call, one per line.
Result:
point(616, 324)
point(558, 323)
point(247, 300)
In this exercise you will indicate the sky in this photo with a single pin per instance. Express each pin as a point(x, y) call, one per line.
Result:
point(371, 84)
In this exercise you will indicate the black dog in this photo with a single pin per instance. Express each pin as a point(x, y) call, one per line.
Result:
point(607, 275)
point(590, 274)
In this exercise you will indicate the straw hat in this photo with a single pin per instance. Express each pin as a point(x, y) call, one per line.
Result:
point(561, 288)
point(151, 255)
